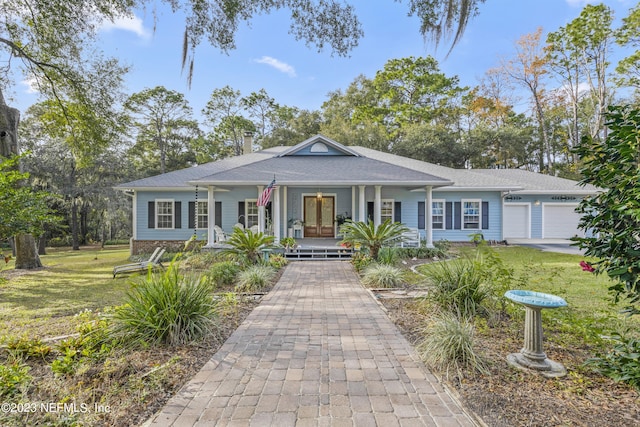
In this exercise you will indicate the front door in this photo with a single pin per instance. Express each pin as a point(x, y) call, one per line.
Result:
point(319, 214)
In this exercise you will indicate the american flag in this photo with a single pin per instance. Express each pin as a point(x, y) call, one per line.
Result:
point(265, 196)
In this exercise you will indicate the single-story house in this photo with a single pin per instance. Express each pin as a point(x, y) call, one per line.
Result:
point(320, 181)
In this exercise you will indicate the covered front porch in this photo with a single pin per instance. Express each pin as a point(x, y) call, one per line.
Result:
point(314, 214)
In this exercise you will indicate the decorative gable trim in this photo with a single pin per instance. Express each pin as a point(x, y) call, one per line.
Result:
point(319, 145)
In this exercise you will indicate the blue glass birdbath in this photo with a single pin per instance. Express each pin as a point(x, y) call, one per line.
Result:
point(532, 356)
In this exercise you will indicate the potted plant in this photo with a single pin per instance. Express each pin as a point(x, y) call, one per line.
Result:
point(289, 243)
point(342, 218)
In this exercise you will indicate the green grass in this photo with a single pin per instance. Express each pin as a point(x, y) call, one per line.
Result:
point(590, 311)
point(43, 302)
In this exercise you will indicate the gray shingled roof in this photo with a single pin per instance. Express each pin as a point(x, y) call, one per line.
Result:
point(322, 170)
point(371, 168)
point(181, 178)
point(536, 183)
point(461, 178)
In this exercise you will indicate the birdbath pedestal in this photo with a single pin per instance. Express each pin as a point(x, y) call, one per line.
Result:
point(532, 356)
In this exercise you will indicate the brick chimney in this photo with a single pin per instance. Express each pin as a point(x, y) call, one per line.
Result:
point(247, 143)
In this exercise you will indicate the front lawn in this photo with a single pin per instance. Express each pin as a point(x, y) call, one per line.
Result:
point(42, 303)
point(62, 364)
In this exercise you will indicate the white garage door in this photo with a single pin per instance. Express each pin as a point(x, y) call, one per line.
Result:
point(516, 221)
point(560, 221)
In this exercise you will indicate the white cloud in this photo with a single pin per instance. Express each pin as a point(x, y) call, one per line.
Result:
point(577, 3)
point(128, 23)
point(278, 65)
point(31, 85)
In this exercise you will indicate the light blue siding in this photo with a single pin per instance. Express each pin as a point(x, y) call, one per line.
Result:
point(494, 232)
point(142, 215)
point(343, 196)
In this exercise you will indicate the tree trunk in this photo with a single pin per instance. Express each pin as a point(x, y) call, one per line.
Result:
point(26, 253)
point(42, 244)
point(25, 245)
point(75, 245)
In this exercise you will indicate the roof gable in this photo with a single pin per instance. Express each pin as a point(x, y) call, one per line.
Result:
point(319, 145)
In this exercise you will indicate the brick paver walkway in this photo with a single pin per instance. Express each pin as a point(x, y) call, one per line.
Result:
point(317, 351)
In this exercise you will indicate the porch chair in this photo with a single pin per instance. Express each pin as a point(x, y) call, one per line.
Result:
point(220, 234)
point(152, 262)
point(410, 238)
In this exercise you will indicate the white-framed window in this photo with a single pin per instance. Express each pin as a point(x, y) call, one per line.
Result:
point(164, 213)
point(202, 215)
point(386, 210)
point(251, 212)
point(471, 214)
point(437, 214)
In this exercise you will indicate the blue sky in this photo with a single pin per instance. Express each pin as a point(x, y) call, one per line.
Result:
point(295, 75)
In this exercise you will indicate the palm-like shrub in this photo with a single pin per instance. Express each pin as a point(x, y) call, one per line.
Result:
point(448, 345)
point(382, 276)
point(165, 308)
point(255, 278)
point(371, 237)
point(248, 244)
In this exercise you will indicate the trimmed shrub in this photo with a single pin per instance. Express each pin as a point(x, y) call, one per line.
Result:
point(382, 276)
point(223, 273)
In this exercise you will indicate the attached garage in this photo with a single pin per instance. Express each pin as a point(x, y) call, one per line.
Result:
point(516, 221)
point(560, 221)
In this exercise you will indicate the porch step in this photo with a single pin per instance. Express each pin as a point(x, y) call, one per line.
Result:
point(307, 254)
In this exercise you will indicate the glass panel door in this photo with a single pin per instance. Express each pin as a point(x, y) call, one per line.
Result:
point(310, 217)
point(327, 217)
point(319, 215)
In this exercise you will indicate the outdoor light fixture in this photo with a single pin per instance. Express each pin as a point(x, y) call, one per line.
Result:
point(319, 195)
point(537, 203)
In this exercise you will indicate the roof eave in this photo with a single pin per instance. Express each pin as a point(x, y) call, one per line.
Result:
point(324, 183)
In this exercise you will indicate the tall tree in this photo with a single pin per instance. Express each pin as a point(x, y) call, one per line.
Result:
point(629, 35)
point(225, 114)
point(410, 91)
point(163, 121)
point(579, 55)
point(261, 109)
point(528, 69)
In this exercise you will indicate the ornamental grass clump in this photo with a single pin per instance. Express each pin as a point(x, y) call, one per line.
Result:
point(382, 276)
point(255, 279)
point(458, 287)
point(448, 345)
point(166, 308)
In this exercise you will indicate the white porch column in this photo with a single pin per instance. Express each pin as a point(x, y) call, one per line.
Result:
point(211, 221)
point(362, 211)
point(261, 211)
point(353, 202)
point(276, 214)
point(285, 219)
point(428, 208)
point(377, 206)
point(134, 216)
